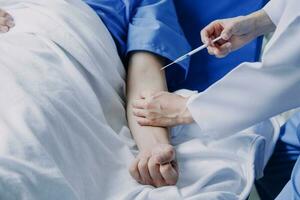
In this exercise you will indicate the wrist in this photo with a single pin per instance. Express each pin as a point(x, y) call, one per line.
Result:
point(262, 24)
point(185, 116)
point(154, 136)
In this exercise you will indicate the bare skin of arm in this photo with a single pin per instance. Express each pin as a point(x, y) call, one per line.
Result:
point(155, 164)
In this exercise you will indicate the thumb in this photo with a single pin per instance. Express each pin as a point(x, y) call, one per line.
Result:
point(227, 32)
point(164, 154)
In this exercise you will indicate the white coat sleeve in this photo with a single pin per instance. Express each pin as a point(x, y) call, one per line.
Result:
point(275, 9)
point(253, 92)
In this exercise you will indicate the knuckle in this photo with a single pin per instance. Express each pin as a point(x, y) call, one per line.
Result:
point(142, 165)
point(169, 150)
point(151, 164)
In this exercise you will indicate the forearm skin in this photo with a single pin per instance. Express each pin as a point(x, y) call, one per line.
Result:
point(145, 76)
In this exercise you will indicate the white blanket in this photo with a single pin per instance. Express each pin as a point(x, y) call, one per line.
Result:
point(63, 130)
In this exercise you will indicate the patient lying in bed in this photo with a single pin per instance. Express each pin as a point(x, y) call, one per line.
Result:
point(64, 133)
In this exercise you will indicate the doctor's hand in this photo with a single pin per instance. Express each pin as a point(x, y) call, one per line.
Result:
point(156, 166)
point(236, 32)
point(6, 21)
point(162, 109)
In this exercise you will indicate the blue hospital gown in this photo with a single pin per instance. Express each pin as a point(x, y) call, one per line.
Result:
point(292, 189)
point(145, 25)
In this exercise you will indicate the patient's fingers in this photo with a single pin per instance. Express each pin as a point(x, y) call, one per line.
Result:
point(169, 174)
point(154, 171)
point(134, 171)
point(144, 172)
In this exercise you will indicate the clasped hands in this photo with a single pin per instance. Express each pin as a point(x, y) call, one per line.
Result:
point(157, 166)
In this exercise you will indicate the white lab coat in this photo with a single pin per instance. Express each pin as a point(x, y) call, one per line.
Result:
point(254, 92)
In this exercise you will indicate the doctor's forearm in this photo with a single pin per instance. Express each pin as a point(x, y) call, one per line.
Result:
point(255, 24)
point(262, 23)
point(144, 76)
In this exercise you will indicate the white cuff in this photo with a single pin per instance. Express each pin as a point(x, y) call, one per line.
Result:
point(193, 107)
point(275, 9)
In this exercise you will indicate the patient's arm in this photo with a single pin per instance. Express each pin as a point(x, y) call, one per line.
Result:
point(6, 21)
point(155, 164)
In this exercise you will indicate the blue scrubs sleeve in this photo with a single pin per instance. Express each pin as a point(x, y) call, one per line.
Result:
point(154, 27)
point(115, 16)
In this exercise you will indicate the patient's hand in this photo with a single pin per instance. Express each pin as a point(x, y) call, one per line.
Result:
point(162, 109)
point(156, 167)
point(6, 21)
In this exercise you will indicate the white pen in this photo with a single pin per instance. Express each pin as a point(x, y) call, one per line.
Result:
point(185, 56)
